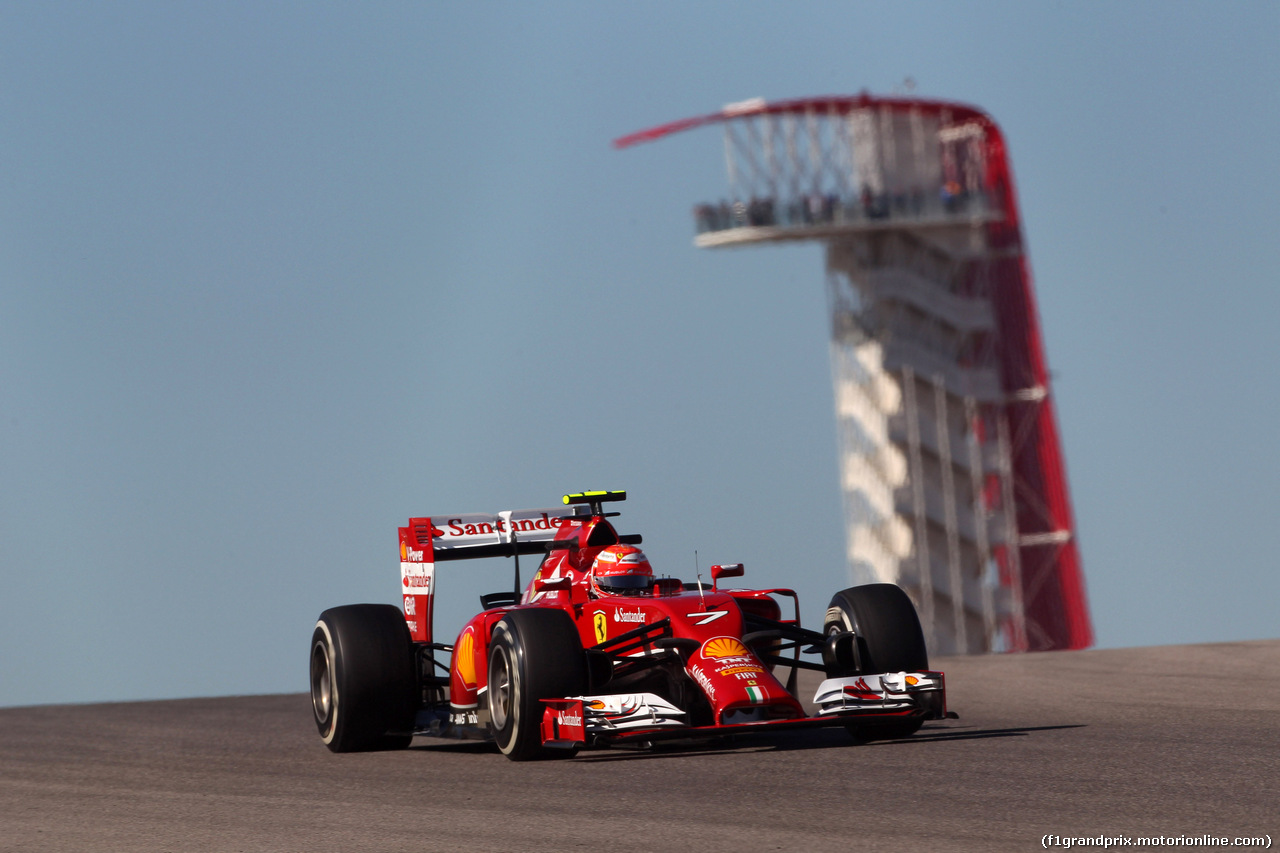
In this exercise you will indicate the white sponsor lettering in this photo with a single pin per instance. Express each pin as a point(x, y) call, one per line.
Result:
point(472, 526)
point(708, 616)
point(569, 719)
point(414, 556)
point(620, 615)
point(705, 680)
point(409, 606)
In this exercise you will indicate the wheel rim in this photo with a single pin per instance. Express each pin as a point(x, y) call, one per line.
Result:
point(500, 697)
point(321, 683)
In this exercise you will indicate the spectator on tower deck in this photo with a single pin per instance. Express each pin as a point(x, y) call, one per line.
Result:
point(951, 199)
point(760, 211)
point(704, 218)
point(815, 207)
point(899, 202)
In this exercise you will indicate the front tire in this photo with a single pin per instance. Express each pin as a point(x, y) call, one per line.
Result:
point(363, 687)
point(534, 654)
point(887, 632)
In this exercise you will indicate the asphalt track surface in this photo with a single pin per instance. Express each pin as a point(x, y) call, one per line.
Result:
point(1168, 741)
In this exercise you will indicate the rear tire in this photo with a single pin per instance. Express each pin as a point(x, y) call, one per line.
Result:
point(889, 639)
point(534, 654)
point(363, 686)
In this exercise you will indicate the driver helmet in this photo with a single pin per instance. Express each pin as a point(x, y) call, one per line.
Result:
point(621, 570)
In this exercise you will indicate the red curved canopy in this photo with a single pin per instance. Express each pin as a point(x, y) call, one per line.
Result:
point(830, 104)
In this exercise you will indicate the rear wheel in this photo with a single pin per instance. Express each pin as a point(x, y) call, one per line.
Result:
point(888, 638)
point(534, 654)
point(363, 689)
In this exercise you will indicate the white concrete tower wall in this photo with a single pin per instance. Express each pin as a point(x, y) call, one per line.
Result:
point(872, 468)
point(910, 381)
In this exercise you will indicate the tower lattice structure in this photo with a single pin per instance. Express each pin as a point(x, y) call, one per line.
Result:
point(951, 469)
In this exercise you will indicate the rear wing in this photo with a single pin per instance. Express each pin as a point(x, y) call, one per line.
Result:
point(474, 535)
point(468, 536)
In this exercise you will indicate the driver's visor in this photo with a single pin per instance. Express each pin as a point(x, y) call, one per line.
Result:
point(625, 582)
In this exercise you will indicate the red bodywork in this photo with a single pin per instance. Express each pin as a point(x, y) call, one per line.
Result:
point(719, 654)
point(722, 666)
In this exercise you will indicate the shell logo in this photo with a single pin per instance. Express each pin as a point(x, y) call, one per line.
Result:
point(466, 658)
point(404, 552)
point(724, 647)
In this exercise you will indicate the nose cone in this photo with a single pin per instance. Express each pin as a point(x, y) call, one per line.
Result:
point(738, 685)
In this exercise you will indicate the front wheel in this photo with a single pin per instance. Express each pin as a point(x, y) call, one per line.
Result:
point(888, 638)
point(363, 687)
point(535, 654)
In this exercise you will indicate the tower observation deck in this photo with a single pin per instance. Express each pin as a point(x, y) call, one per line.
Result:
point(951, 470)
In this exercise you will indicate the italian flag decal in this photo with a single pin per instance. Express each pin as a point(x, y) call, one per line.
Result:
point(755, 694)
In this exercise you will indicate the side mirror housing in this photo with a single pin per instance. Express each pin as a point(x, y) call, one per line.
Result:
point(733, 570)
point(553, 584)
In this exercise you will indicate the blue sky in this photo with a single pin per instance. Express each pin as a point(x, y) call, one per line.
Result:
point(275, 277)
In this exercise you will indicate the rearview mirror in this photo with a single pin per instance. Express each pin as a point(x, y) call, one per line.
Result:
point(733, 570)
point(553, 584)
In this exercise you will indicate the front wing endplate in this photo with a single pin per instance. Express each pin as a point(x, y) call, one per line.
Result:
point(856, 695)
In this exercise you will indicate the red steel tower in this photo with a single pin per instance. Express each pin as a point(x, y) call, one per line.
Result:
point(951, 469)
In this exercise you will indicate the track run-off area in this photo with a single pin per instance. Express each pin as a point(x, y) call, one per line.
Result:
point(1174, 741)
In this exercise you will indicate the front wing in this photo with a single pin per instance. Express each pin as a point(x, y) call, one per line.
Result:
point(577, 721)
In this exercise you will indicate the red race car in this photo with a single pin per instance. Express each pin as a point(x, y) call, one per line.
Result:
point(598, 651)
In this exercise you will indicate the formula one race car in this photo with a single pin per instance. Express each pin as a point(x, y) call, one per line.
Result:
point(598, 651)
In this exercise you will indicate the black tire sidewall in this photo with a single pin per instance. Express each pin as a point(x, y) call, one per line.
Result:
point(372, 681)
point(889, 639)
point(886, 625)
point(505, 644)
point(322, 643)
point(545, 660)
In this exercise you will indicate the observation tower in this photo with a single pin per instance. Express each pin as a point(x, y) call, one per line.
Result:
point(951, 470)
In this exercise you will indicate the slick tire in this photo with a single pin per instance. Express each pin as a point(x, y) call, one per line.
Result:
point(889, 639)
point(363, 685)
point(534, 654)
